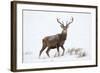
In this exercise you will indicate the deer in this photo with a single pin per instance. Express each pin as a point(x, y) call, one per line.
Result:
point(57, 40)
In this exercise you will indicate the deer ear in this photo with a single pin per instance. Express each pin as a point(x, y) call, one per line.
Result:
point(62, 26)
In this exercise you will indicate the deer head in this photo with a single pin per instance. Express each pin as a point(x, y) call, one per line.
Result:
point(65, 27)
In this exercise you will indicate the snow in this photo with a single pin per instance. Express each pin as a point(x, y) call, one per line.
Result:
point(55, 58)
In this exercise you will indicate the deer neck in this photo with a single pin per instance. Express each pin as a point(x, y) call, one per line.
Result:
point(63, 35)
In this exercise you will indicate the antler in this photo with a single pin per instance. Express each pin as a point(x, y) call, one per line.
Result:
point(62, 23)
point(70, 21)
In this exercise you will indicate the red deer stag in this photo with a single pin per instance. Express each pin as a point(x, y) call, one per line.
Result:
point(56, 41)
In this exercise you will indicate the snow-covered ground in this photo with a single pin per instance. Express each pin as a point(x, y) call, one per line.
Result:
point(68, 56)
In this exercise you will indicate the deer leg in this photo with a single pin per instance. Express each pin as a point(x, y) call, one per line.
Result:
point(63, 50)
point(42, 50)
point(47, 52)
point(58, 51)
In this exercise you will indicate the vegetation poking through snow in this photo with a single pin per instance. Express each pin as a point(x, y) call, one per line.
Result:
point(79, 52)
